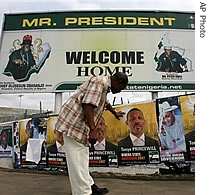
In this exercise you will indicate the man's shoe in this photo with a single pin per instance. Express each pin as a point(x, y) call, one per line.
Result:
point(98, 191)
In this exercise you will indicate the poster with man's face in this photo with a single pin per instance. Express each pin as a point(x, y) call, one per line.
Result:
point(56, 157)
point(136, 134)
point(32, 128)
point(171, 129)
point(6, 145)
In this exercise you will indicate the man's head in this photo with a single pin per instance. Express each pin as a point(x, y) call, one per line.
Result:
point(168, 118)
point(4, 138)
point(168, 50)
point(135, 121)
point(26, 44)
point(167, 112)
point(101, 128)
point(119, 81)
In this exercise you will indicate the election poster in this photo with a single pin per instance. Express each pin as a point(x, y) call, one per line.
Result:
point(32, 142)
point(135, 136)
point(56, 157)
point(171, 130)
point(188, 112)
point(6, 141)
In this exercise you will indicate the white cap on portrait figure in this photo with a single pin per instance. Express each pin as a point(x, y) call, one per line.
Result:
point(167, 47)
point(166, 107)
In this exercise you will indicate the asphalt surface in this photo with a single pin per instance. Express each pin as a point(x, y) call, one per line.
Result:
point(15, 182)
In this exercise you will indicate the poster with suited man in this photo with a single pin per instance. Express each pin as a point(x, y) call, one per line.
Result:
point(103, 152)
point(56, 157)
point(136, 134)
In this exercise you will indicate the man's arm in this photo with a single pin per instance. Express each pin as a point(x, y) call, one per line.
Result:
point(116, 114)
point(89, 116)
point(185, 68)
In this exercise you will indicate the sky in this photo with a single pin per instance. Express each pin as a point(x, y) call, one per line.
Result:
point(46, 100)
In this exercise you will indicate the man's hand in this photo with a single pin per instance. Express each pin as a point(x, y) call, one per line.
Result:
point(92, 136)
point(59, 134)
point(119, 114)
point(18, 61)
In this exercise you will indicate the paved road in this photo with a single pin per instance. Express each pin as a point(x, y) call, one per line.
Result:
point(29, 183)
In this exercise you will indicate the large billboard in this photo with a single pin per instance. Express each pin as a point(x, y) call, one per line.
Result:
point(57, 51)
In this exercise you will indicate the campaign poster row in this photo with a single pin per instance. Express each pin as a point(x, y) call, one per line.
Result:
point(149, 133)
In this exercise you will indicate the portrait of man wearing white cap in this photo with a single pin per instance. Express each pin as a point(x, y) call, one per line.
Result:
point(171, 61)
point(171, 132)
